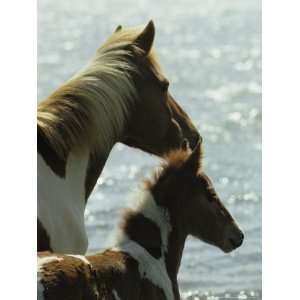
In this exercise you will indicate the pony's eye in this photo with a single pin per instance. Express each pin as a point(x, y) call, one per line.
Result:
point(165, 85)
point(222, 213)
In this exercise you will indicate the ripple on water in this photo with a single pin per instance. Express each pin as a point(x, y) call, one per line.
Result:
point(240, 295)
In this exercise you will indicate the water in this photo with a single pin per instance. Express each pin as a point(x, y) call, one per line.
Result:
point(211, 53)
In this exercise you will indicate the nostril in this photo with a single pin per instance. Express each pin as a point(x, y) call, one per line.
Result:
point(241, 236)
point(237, 240)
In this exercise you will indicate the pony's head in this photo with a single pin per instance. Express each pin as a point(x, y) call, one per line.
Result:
point(195, 208)
point(158, 123)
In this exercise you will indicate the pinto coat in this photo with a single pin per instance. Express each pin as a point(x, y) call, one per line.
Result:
point(146, 253)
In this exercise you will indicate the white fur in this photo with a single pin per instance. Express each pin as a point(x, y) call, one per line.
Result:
point(40, 263)
point(61, 204)
point(116, 295)
point(153, 269)
point(81, 257)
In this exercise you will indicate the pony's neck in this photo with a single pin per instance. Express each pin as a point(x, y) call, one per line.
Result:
point(163, 241)
point(114, 93)
point(90, 111)
point(175, 248)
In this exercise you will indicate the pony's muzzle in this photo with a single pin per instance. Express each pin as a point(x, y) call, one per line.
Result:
point(237, 239)
point(233, 238)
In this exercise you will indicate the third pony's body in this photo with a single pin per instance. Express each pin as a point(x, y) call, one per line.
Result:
point(121, 96)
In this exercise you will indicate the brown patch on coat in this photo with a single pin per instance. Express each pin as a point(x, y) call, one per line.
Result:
point(45, 149)
point(143, 231)
point(69, 278)
point(43, 239)
point(94, 169)
point(151, 292)
point(116, 271)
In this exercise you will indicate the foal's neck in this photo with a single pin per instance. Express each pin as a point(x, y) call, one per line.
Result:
point(163, 240)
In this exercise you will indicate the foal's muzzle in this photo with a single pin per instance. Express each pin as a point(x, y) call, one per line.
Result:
point(233, 238)
point(237, 240)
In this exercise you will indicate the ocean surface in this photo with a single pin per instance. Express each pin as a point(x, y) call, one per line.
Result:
point(211, 53)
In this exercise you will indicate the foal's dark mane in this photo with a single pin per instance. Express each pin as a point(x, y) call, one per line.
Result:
point(171, 164)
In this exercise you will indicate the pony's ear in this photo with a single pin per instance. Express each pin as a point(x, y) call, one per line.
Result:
point(119, 28)
point(146, 37)
point(193, 163)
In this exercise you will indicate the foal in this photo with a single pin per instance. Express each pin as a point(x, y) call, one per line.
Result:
point(121, 96)
point(143, 263)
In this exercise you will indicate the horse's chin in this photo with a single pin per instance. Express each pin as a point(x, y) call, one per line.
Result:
point(130, 142)
point(228, 247)
point(227, 250)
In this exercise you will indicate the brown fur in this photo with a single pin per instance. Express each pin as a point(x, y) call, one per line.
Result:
point(70, 278)
point(43, 242)
point(144, 231)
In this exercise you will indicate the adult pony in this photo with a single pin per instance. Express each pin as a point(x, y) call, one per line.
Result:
point(121, 96)
point(144, 261)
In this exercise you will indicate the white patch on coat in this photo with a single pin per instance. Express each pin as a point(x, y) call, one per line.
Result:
point(81, 257)
point(40, 264)
point(61, 204)
point(115, 294)
point(150, 268)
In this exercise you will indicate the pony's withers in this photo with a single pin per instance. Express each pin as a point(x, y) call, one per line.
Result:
point(121, 96)
point(146, 252)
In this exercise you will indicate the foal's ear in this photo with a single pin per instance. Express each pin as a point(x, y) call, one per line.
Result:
point(146, 37)
point(119, 28)
point(193, 163)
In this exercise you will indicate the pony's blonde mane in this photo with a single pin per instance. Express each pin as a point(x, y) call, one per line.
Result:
point(91, 109)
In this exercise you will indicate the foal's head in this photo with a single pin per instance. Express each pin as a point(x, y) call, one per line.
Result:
point(159, 124)
point(194, 206)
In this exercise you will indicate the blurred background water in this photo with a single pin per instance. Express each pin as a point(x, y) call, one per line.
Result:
point(211, 53)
